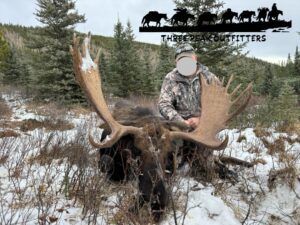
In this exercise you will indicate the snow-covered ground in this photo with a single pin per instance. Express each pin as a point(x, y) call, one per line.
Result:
point(33, 192)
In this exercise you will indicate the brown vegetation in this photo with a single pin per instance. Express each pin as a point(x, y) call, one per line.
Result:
point(48, 124)
point(9, 133)
point(5, 111)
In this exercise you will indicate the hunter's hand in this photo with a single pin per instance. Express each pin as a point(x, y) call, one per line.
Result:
point(193, 122)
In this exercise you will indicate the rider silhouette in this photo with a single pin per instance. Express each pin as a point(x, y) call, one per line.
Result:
point(180, 10)
point(274, 7)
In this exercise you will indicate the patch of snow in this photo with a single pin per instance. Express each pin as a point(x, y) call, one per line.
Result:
point(87, 62)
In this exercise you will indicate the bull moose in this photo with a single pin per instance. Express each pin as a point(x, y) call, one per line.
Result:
point(152, 138)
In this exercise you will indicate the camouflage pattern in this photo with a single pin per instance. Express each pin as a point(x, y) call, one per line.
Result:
point(180, 96)
point(183, 48)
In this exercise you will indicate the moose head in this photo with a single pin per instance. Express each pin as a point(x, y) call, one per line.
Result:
point(151, 138)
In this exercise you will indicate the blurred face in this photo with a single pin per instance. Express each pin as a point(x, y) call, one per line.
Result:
point(186, 64)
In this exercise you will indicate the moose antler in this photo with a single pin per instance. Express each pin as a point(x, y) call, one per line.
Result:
point(88, 76)
point(216, 105)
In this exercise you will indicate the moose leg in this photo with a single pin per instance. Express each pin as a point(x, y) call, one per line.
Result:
point(159, 200)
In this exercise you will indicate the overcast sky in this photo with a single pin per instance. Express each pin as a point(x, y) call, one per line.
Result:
point(101, 16)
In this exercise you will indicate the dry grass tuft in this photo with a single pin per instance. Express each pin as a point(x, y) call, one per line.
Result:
point(287, 174)
point(5, 111)
point(3, 159)
point(278, 146)
point(8, 133)
point(292, 128)
point(48, 124)
point(261, 132)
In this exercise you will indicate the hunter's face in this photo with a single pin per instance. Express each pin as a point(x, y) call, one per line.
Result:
point(187, 64)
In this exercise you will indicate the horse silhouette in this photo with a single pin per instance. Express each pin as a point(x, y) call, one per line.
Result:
point(246, 14)
point(153, 16)
point(181, 16)
point(274, 15)
point(207, 17)
point(262, 14)
point(229, 15)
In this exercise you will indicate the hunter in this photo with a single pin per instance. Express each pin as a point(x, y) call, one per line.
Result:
point(179, 100)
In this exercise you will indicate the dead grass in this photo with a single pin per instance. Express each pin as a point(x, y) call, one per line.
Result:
point(5, 111)
point(53, 109)
point(261, 132)
point(277, 146)
point(3, 159)
point(286, 175)
point(48, 124)
point(8, 133)
point(293, 128)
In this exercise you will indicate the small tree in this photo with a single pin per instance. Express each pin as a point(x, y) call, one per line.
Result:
point(165, 64)
point(125, 64)
point(148, 80)
point(5, 53)
point(103, 67)
point(53, 69)
point(297, 62)
point(285, 106)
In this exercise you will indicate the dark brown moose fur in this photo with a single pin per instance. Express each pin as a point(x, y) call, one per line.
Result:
point(119, 164)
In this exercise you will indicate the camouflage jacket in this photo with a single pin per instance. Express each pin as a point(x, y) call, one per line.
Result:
point(180, 96)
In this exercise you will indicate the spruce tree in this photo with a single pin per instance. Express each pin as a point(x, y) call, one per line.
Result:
point(166, 62)
point(296, 77)
point(125, 64)
point(148, 80)
point(103, 69)
point(116, 80)
point(54, 70)
point(285, 106)
point(297, 63)
point(13, 70)
point(5, 53)
point(134, 76)
point(268, 81)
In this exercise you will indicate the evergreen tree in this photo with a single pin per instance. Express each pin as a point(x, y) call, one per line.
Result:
point(289, 59)
point(54, 70)
point(166, 62)
point(134, 76)
point(296, 77)
point(125, 64)
point(13, 70)
point(103, 67)
point(268, 81)
point(116, 63)
point(285, 106)
point(297, 62)
point(5, 53)
point(148, 84)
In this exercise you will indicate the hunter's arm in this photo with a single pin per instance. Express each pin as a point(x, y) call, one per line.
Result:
point(166, 102)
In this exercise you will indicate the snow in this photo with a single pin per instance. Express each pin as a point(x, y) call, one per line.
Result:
point(203, 207)
point(205, 204)
point(87, 62)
